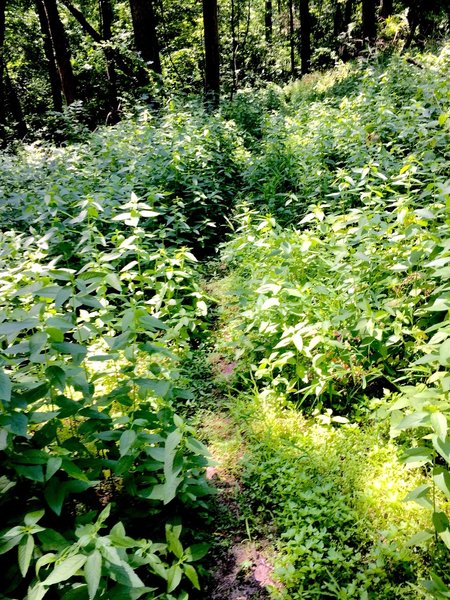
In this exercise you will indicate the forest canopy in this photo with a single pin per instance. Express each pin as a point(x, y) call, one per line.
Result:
point(66, 66)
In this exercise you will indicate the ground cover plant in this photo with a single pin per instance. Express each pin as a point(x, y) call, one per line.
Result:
point(345, 315)
point(97, 305)
point(321, 326)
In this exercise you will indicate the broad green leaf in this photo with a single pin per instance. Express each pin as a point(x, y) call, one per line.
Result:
point(125, 575)
point(159, 387)
point(420, 538)
point(157, 566)
point(74, 470)
point(66, 569)
point(149, 214)
point(26, 547)
point(113, 281)
point(119, 538)
point(173, 542)
point(43, 561)
point(440, 585)
point(155, 492)
point(297, 340)
point(104, 514)
point(55, 334)
point(124, 592)
point(196, 552)
point(3, 439)
point(77, 351)
point(93, 572)
point(54, 493)
point(56, 376)
point(88, 300)
point(191, 574)
point(37, 592)
point(441, 478)
point(127, 439)
point(34, 517)
point(444, 353)
point(50, 291)
point(33, 472)
point(151, 323)
point(174, 575)
point(445, 537)
point(170, 449)
point(439, 424)
point(53, 465)
point(440, 521)
point(269, 287)
point(416, 419)
point(17, 423)
point(270, 303)
point(37, 341)
point(420, 495)
point(156, 453)
point(442, 446)
point(197, 447)
point(52, 540)
point(14, 327)
point(418, 456)
point(170, 487)
point(5, 387)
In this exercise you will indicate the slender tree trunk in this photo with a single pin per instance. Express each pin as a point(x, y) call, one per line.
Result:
point(212, 56)
point(348, 12)
point(413, 21)
point(234, 47)
point(145, 37)
point(15, 108)
point(61, 50)
point(50, 57)
point(342, 19)
point(106, 20)
point(386, 8)
point(2, 71)
point(247, 26)
point(291, 36)
point(369, 24)
point(268, 25)
point(305, 36)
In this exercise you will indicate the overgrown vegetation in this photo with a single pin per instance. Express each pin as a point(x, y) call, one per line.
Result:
point(323, 321)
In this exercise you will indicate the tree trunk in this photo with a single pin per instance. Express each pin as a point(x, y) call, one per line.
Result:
point(291, 36)
point(386, 8)
point(2, 71)
point(234, 47)
point(305, 33)
point(348, 12)
point(15, 108)
point(342, 17)
point(212, 56)
point(106, 19)
point(268, 21)
point(61, 50)
point(145, 38)
point(369, 24)
point(48, 51)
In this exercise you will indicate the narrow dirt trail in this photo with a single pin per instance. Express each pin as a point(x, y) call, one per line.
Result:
point(240, 566)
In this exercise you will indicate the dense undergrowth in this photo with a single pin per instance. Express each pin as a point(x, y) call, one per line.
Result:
point(330, 299)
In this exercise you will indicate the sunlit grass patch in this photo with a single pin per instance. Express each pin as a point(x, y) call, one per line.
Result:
point(335, 492)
